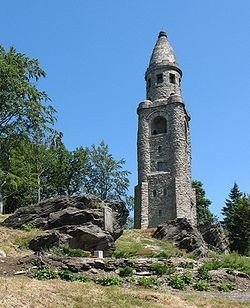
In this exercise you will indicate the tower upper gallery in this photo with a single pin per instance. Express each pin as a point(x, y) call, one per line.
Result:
point(163, 76)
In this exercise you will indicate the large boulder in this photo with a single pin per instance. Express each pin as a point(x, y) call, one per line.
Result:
point(214, 235)
point(83, 222)
point(184, 235)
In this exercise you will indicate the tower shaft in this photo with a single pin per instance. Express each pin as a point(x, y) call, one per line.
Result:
point(164, 191)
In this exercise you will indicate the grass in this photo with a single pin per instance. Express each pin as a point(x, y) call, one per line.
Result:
point(139, 243)
point(232, 262)
point(16, 242)
point(24, 292)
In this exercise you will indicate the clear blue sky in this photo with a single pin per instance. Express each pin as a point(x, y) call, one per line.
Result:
point(96, 52)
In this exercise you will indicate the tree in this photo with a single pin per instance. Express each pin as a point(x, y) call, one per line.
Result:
point(236, 214)
point(26, 122)
point(23, 106)
point(202, 204)
point(106, 178)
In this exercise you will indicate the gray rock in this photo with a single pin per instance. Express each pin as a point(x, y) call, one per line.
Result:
point(77, 221)
point(3, 253)
point(184, 235)
point(214, 235)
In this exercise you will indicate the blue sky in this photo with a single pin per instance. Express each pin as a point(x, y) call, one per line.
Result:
point(96, 52)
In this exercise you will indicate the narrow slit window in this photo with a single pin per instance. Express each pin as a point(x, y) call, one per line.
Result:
point(164, 192)
point(154, 193)
point(159, 149)
point(149, 83)
point(172, 78)
point(160, 213)
point(159, 78)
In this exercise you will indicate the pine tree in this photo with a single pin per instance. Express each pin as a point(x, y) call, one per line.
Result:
point(237, 220)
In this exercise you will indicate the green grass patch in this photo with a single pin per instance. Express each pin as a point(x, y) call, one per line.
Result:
point(65, 250)
point(140, 243)
point(202, 285)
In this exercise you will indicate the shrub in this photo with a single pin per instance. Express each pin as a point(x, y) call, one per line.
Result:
point(187, 278)
point(46, 274)
point(126, 271)
point(70, 276)
point(109, 281)
point(226, 287)
point(177, 282)
point(202, 285)
point(149, 282)
point(161, 269)
point(204, 274)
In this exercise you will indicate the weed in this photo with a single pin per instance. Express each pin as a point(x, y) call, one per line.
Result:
point(149, 282)
point(109, 281)
point(202, 285)
point(177, 282)
point(226, 287)
point(161, 269)
point(126, 271)
point(187, 278)
point(46, 274)
point(28, 227)
point(64, 250)
point(70, 276)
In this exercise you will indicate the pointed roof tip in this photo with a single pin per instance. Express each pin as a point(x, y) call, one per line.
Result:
point(163, 51)
point(162, 33)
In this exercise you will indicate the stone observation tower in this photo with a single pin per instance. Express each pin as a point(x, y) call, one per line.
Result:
point(164, 191)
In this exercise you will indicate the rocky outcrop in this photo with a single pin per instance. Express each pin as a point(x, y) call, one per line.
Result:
point(84, 222)
point(184, 235)
point(214, 235)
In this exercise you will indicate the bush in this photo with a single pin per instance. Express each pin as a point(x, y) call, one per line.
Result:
point(226, 287)
point(126, 271)
point(204, 274)
point(177, 282)
point(46, 274)
point(187, 278)
point(70, 276)
point(202, 285)
point(149, 282)
point(161, 269)
point(109, 281)
point(28, 227)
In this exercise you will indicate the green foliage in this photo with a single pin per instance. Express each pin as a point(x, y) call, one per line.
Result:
point(226, 287)
point(161, 269)
point(236, 214)
point(67, 275)
point(134, 243)
point(149, 282)
point(28, 227)
point(46, 274)
point(64, 250)
point(70, 276)
point(202, 285)
point(202, 204)
point(109, 281)
point(178, 281)
point(106, 178)
point(126, 271)
point(187, 277)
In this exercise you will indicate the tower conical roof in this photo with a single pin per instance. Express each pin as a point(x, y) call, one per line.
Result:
point(163, 52)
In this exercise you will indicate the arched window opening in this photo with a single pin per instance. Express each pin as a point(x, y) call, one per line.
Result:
point(159, 125)
point(159, 149)
point(154, 193)
point(164, 192)
point(160, 213)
